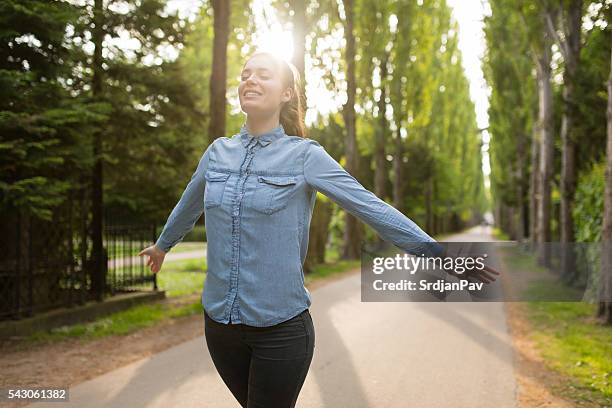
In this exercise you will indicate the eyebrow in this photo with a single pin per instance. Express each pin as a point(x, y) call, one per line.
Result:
point(257, 69)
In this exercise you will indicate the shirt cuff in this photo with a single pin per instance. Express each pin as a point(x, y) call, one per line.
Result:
point(432, 249)
point(163, 245)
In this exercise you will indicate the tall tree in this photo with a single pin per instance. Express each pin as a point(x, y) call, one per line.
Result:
point(352, 236)
point(545, 125)
point(43, 128)
point(403, 42)
point(570, 14)
point(99, 265)
point(301, 23)
point(376, 45)
point(535, 16)
point(605, 305)
point(218, 77)
point(534, 181)
point(127, 63)
point(45, 134)
point(508, 70)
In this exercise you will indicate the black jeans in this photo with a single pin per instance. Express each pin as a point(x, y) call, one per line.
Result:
point(262, 366)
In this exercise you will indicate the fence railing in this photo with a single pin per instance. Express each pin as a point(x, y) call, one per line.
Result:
point(126, 270)
point(47, 264)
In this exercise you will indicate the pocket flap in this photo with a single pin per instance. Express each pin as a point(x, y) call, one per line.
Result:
point(278, 180)
point(212, 175)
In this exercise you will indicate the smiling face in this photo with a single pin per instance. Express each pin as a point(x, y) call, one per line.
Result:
point(261, 90)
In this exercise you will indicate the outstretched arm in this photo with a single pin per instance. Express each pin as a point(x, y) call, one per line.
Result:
point(188, 209)
point(326, 175)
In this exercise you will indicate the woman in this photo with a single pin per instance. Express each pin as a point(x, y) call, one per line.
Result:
point(257, 190)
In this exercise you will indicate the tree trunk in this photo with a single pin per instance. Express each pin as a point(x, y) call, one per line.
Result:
point(534, 192)
point(319, 232)
point(218, 77)
point(546, 150)
point(605, 304)
point(352, 238)
point(429, 213)
point(520, 191)
point(321, 217)
point(380, 155)
point(98, 264)
point(299, 41)
point(398, 156)
point(571, 54)
point(380, 175)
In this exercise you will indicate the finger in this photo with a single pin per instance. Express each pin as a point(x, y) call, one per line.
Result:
point(491, 278)
point(476, 274)
point(482, 279)
point(490, 269)
point(469, 276)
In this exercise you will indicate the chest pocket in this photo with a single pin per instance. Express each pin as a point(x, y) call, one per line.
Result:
point(273, 193)
point(215, 186)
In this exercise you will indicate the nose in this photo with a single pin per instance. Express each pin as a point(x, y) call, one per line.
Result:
point(250, 80)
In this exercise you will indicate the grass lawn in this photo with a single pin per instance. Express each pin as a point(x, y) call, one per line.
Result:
point(573, 344)
point(188, 247)
point(127, 248)
point(184, 277)
point(569, 339)
point(183, 281)
point(328, 269)
point(179, 279)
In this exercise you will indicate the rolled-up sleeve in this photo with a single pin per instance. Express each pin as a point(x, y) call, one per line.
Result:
point(323, 173)
point(188, 209)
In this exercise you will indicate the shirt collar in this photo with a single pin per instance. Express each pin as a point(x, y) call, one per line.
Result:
point(265, 138)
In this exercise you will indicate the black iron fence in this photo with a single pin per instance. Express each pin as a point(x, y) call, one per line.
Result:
point(46, 264)
point(126, 270)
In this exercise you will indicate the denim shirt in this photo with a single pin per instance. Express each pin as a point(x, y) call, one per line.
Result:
point(257, 194)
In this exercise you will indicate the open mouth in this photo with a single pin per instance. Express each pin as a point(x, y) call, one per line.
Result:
point(251, 93)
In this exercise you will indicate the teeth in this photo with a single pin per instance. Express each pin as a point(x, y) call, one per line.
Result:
point(251, 93)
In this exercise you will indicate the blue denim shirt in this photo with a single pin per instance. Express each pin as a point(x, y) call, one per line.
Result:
point(257, 194)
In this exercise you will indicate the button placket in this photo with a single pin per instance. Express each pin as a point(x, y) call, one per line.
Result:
point(244, 173)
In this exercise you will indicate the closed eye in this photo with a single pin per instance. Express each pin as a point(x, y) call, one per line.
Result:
point(263, 74)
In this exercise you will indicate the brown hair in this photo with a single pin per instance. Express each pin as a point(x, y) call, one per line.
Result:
point(292, 112)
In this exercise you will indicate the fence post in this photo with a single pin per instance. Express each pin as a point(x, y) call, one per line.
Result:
point(17, 309)
point(154, 240)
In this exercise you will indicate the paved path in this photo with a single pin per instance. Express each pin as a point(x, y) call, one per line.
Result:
point(408, 354)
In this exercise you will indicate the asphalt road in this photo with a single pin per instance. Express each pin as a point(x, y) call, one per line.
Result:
point(384, 354)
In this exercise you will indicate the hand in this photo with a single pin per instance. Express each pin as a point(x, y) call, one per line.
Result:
point(156, 257)
point(484, 275)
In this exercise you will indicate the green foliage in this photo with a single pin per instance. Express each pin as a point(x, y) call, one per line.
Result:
point(49, 113)
point(509, 71)
point(44, 128)
point(589, 204)
point(514, 35)
point(592, 95)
